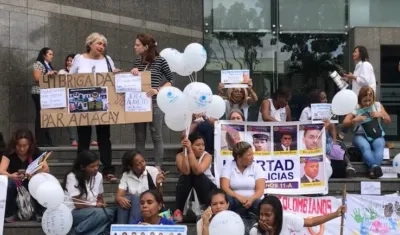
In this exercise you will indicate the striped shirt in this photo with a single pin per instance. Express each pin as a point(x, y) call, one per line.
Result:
point(159, 69)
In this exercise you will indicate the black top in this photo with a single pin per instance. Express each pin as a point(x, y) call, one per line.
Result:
point(16, 163)
point(159, 70)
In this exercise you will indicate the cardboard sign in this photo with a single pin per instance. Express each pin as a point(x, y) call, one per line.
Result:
point(112, 112)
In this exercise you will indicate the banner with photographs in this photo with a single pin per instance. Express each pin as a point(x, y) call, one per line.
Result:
point(292, 154)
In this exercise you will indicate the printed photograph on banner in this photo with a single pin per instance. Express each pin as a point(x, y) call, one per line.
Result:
point(285, 140)
point(307, 207)
point(312, 171)
point(260, 138)
point(367, 214)
point(230, 135)
point(88, 99)
point(311, 138)
point(280, 173)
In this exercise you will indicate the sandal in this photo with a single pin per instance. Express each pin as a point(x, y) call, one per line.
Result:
point(94, 143)
point(112, 178)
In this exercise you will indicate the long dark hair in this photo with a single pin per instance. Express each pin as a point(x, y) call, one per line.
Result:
point(192, 138)
point(149, 55)
point(127, 160)
point(278, 210)
point(362, 50)
point(66, 59)
point(41, 55)
point(23, 133)
point(3, 145)
point(83, 159)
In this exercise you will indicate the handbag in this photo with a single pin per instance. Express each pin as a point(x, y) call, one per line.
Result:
point(24, 203)
point(373, 129)
point(193, 206)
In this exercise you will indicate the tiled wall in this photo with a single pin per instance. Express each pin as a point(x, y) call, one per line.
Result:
point(28, 25)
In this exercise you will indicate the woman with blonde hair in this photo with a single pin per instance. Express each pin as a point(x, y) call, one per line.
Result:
point(369, 135)
point(94, 60)
point(239, 98)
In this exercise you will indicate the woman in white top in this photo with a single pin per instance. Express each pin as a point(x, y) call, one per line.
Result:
point(239, 98)
point(274, 221)
point(218, 202)
point(94, 60)
point(276, 109)
point(84, 184)
point(368, 138)
point(195, 169)
point(136, 179)
point(243, 180)
point(363, 73)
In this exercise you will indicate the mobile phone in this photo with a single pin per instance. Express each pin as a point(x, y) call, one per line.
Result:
point(21, 172)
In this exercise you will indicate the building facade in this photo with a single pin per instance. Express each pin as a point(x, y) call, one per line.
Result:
point(283, 42)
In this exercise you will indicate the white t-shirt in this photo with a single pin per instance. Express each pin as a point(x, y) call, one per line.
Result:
point(94, 189)
point(279, 114)
point(290, 223)
point(365, 76)
point(244, 183)
point(134, 185)
point(305, 114)
point(85, 65)
point(207, 172)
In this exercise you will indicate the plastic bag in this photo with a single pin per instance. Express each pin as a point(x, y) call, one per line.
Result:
point(24, 204)
point(194, 206)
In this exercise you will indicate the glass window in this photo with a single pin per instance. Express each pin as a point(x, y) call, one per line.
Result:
point(374, 13)
point(241, 16)
point(305, 16)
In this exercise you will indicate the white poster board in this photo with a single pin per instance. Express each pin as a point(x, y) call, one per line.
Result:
point(3, 197)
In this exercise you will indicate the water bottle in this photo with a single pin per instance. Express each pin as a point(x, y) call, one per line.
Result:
point(338, 80)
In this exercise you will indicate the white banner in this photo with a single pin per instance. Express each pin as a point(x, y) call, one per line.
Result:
point(292, 154)
point(372, 215)
point(308, 207)
point(3, 197)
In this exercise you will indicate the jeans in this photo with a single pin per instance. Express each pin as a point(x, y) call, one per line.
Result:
point(11, 201)
point(42, 135)
point(92, 221)
point(156, 135)
point(128, 216)
point(237, 207)
point(372, 152)
point(72, 135)
point(201, 184)
point(104, 143)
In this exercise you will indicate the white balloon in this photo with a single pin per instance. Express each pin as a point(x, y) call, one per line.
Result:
point(170, 98)
point(195, 56)
point(178, 122)
point(50, 194)
point(37, 180)
point(344, 102)
point(396, 163)
point(189, 88)
point(227, 222)
point(184, 70)
point(199, 97)
point(173, 58)
point(217, 107)
point(57, 221)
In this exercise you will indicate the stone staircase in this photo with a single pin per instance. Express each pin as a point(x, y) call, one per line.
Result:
point(62, 158)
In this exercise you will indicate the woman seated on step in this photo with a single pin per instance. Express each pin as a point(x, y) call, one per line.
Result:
point(23, 151)
point(218, 202)
point(194, 164)
point(151, 204)
point(243, 180)
point(277, 108)
point(137, 178)
point(84, 185)
point(274, 221)
point(340, 169)
point(367, 121)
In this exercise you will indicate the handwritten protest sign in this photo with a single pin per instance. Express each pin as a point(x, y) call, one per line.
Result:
point(139, 229)
point(53, 98)
point(285, 151)
point(3, 197)
point(93, 99)
point(137, 102)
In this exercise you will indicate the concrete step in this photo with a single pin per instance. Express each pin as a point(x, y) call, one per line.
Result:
point(68, 153)
point(362, 170)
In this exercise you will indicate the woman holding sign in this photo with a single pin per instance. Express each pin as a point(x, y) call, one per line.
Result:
point(94, 60)
point(274, 221)
point(150, 60)
point(13, 165)
point(42, 66)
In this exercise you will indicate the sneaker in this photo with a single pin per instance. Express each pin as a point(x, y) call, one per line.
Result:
point(350, 171)
point(74, 143)
point(178, 217)
point(10, 219)
point(94, 143)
